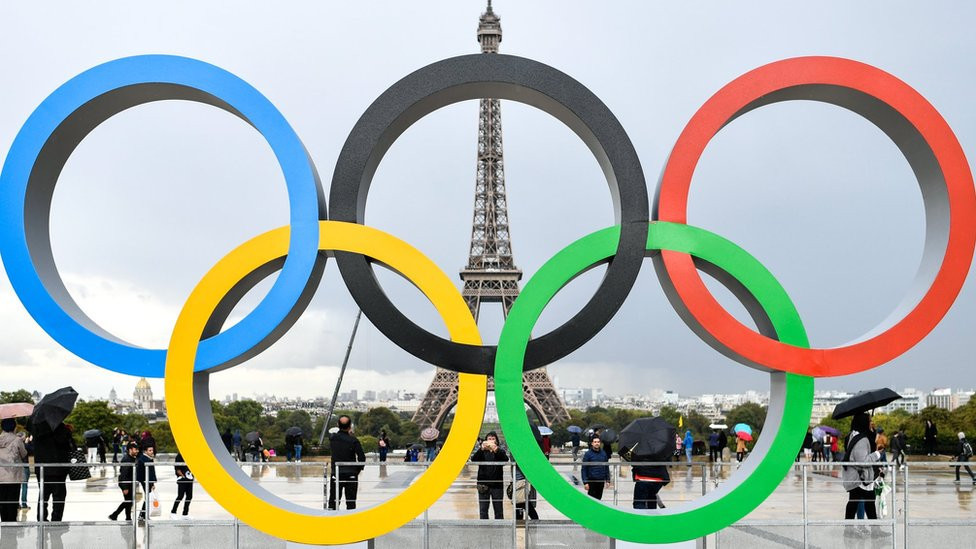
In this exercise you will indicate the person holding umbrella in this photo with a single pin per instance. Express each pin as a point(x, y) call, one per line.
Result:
point(648, 439)
point(12, 451)
point(574, 438)
point(859, 479)
point(53, 443)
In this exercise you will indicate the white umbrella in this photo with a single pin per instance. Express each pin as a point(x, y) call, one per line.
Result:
point(718, 426)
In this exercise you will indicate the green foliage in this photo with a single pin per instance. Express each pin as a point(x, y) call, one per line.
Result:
point(92, 415)
point(749, 413)
point(369, 442)
point(20, 395)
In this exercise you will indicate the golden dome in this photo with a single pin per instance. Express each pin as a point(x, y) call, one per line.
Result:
point(143, 384)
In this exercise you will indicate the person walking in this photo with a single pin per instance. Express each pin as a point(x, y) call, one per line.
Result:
point(931, 437)
point(898, 448)
point(858, 480)
point(595, 477)
point(713, 451)
point(130, 457)
point(740, 449)
point(880, 440)
point(146, 476)
point(184, 487)
point(345, 479)
point(490, 477)
point(648, 481)
point(384, 445)
point(228, 439)
point(689, 444)
point(12, 456)
point(52, 447)
point(431, 447)
point(963, 452)
point(574, 439)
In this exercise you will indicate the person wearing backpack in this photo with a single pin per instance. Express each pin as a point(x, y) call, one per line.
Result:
point(964, 451)
point(859, 479)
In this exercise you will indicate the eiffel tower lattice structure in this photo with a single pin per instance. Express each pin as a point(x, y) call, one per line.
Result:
point(491, 274)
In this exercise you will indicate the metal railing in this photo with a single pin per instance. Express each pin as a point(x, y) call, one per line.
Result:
point(812, 495)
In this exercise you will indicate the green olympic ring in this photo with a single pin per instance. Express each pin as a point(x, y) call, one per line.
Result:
point(791, 395)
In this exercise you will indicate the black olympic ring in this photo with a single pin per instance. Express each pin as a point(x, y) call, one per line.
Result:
point(503, 77)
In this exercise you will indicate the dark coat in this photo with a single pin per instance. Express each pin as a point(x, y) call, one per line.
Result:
point(54, 447)
point(490, 473)
point(145, 474)
point(595, 472)
point(126, 471)
point(345, 448)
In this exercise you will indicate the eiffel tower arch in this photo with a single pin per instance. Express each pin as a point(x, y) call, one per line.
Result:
point(490, 275)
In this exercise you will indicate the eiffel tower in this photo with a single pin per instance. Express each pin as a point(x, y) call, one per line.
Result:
point(491, 274)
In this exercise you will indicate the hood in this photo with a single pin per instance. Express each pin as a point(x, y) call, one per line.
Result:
point(6, 439)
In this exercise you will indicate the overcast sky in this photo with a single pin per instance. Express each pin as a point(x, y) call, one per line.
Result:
point(157, 194)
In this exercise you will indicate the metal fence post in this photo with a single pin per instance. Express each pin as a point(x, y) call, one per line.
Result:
point(805, 513)
point(515, 507)
point(426, 518)
point(237, 533)
point(133, 511)
point(616, 476)
point(907, 469)
point(41, 502)
point(894, 505)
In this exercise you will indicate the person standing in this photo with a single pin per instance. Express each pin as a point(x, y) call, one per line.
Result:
point(595, 477)
point(648, 481)
point(858, 480)
point(345, 479)
point(298, 442)
point(931, 437)
point(126, 474)
point(723, 443)
point(713, 451)
point(91, 444)
point(12, 452)
point(228, 440)
point(880, 440)
point(574, 438)
point(431, 446)
point(238, 449)
point(255, 448)
point(963, 452)
point(29, 446)
point(740, 449)
point(147, 441)
point(490, 477)
point(384, 445)
point(689, 443)
point(184, 487)
point(146, 476)
point(52, 447)
point(116, 444)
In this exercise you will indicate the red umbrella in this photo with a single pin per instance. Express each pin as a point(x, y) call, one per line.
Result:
point(744, 435)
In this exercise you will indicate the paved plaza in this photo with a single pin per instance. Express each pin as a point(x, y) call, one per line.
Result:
point(932, 496)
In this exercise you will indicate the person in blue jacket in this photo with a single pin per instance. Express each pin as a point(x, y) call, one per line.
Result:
point(689, 444)
point(595, 477)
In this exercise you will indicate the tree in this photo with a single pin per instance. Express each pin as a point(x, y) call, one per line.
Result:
point(749, 413)
point(20, 395)
point(92, 415)
point(246, 412)
point(376, 419)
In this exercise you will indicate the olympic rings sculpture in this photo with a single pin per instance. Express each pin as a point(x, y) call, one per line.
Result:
point(198, 346)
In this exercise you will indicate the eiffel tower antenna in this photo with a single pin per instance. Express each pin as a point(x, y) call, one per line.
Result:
point(491, 274)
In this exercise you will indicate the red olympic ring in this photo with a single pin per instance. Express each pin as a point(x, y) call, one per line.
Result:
point(936, 158)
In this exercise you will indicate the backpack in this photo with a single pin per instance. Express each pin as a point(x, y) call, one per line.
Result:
point(967, 449)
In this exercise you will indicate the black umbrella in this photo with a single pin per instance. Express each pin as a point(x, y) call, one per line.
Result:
point(647, 439)
point(252, 436)
point(416, 446)
point(864, 401)
point(608, 435)
point(93, 433)
point(294, 431)
point(52, 410)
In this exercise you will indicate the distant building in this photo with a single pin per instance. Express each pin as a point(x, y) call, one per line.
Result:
point(113, 397)
point(940, 398)
point(911, 401)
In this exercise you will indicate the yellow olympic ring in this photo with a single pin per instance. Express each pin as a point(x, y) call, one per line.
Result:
point(188, 394)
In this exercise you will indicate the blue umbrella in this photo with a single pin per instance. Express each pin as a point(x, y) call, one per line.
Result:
point(742, 428)
point(574, 429)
